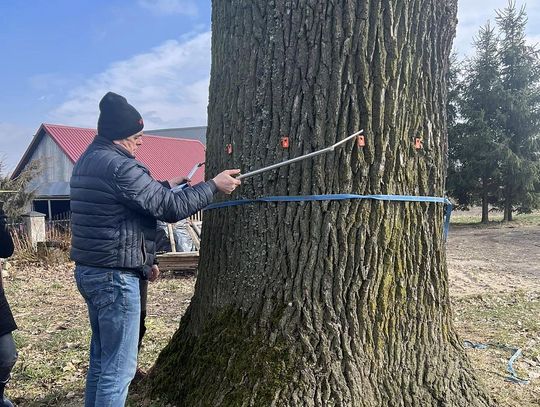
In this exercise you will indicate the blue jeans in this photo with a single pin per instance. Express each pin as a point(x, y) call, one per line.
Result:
point(114, 307)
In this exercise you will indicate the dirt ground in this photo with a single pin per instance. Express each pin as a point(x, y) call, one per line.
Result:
point(494, 259)
point(494, 276)
point(494, 285)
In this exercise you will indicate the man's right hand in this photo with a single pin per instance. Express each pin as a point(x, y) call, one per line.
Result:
point(225, 182)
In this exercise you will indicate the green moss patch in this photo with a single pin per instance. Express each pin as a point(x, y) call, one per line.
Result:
point(226, 365)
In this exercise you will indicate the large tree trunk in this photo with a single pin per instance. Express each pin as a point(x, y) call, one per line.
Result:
point(325, 303)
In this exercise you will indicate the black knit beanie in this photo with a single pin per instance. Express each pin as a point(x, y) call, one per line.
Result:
point(117, 118)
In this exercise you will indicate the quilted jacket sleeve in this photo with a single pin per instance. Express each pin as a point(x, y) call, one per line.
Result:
point(139, 191)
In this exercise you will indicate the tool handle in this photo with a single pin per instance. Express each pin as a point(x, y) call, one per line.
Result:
point(180, 187)
point(189, 176)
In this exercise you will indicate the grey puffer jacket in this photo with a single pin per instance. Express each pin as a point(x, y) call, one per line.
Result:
point(114, 206)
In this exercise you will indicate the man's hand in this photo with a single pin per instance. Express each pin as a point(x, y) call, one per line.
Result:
point(225, 182)
point(154, 273)
point(174, 182)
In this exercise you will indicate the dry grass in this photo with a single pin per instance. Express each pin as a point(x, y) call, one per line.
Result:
point(494, 273)
point(473, 216)
point(503, 320)
point(54, 333)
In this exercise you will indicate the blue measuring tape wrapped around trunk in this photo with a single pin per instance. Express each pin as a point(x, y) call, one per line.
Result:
point(342, 197)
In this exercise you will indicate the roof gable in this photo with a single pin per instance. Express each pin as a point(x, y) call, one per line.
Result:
point(165, 157)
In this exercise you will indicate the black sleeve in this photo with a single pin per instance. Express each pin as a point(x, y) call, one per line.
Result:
point(6, 243)
point(140, 192)
point(210, 183)
point(165, 184)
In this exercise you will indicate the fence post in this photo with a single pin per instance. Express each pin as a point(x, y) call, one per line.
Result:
point(35, 225)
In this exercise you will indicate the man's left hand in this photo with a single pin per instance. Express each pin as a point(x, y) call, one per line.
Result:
point(154, 273)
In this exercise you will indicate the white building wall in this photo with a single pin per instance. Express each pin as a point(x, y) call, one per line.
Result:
point(55, 164)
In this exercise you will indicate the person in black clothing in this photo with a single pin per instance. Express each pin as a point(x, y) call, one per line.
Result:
point(8, 353)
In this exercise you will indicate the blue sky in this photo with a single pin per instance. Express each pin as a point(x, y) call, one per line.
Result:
point(60, 56)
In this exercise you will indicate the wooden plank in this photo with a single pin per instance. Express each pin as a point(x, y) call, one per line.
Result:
point(171, 237)
point(197, 227)
point(194, 237)
point(196, 217)
point(178, 261)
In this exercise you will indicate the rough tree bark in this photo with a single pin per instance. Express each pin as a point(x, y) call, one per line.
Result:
point(325, 303)
point(508, 208)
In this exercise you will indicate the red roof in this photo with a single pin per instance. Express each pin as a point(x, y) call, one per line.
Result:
point(165, 157)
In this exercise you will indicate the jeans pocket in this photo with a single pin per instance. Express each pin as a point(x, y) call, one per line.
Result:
point(98, 289)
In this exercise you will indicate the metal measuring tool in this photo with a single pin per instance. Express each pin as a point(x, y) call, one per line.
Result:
point(302, 157)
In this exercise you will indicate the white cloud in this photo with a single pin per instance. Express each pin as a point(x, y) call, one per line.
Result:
point(168, 86)
point(167, 7)
point(13, 142)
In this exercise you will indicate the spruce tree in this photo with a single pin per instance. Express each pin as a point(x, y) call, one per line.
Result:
point(474, 136)
point(520, 70)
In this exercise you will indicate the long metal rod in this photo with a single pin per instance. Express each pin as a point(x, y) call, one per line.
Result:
point(302, 157)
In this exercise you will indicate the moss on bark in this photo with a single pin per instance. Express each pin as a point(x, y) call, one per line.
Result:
point(249, 367)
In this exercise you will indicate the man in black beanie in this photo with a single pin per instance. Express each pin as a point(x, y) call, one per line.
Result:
point(118, 119)
point(115, 204)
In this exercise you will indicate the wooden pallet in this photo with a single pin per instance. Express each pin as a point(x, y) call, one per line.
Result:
point(178, 261)
point(182, 261)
